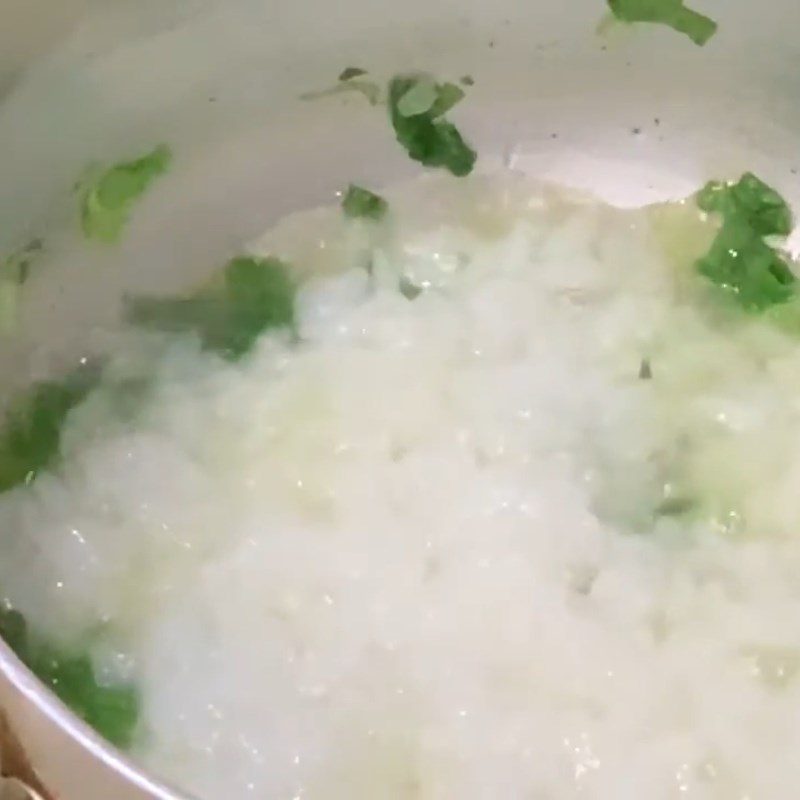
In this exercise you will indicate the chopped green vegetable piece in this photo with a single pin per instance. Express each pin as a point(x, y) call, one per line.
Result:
point(107, 200)
point(449, 95)
point(467, 80)
point(645, 370)
point(13, 630)
point(673, 13)
point(765, 210)
point(409, 289)
point(675, 506)
point(113, 711)
point(17, 266)
point(14, 272)
point(429, 139)
point(362, 203)
point(250, 296)
point(740, 261)
point(419, 98)
point(351, 72)
point(31, 436)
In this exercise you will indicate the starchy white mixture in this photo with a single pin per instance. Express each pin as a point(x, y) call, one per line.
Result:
point(533, 534)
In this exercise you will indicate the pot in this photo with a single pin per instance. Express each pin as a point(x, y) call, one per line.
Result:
point(636, 114)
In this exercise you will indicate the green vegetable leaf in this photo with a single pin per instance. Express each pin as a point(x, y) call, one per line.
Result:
point(408, 288)
point(14, 272)
point(763, 208)
point(675, 506)
point(251, 295)
point(113, 711)
point(448, 96)
point(13, 630)
point(420, 97)
point(416, 116)
point(348, 73)
point(31, 437)
point(673, 13)
point(17, 267)
point(364, 204)
point(740, 261)
point(108, 198)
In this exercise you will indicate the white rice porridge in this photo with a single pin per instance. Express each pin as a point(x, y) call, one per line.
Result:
point(533, 533)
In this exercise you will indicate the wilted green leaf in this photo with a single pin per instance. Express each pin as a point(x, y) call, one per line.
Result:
point(673, 13)
point(108, 198)
point(113, 711)
point(364, 204)
point(426, 136)
point(250, 296)
point(31, 435)
point(740, 261)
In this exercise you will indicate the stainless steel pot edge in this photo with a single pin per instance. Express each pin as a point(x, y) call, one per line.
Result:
point(62, 718)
